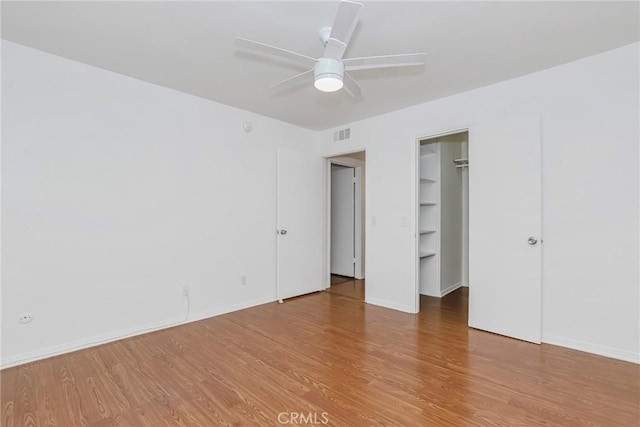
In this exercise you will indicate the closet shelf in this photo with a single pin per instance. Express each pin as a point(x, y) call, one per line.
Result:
point(428, 203)
point(426, 254)
point(427, 231)
point(427, 180)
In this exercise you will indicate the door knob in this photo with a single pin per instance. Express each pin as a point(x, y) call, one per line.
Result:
point(532, 241)
point(283, 232)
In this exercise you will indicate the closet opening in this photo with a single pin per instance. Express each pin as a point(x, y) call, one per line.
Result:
point(442, 236)
point(346, 231)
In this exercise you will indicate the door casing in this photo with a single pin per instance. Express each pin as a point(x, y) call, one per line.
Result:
point(359, 207)
point(343, 227)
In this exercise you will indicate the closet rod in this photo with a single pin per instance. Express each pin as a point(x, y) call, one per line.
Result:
point(461, 163)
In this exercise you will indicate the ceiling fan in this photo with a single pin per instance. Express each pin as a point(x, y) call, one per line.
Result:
point(330, 71)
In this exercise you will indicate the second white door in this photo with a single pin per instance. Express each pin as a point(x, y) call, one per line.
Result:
point(343, 221)
point(505, 226)
point(300, 223)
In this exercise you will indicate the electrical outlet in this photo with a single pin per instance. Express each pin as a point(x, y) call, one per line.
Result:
point(243, 281)
point(25, 317)
point(185, 291)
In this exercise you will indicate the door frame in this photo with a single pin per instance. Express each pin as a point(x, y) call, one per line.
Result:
point(349, 181)
point(416, 203)
point(358, 165)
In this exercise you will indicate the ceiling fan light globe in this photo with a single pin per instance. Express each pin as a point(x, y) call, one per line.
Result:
point(327, 75)
point(328, 83)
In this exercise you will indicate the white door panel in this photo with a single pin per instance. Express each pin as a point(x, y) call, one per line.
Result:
point(300, 223)
point(505, 201)
point(343, 221)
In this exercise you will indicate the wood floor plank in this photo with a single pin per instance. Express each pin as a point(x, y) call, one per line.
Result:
point(324, 353)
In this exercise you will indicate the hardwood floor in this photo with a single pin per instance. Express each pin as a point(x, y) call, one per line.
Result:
point(336, 279)
point(351, 363)
point(347, 286)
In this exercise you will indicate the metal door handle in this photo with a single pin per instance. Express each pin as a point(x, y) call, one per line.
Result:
point(283, 232)
point(532, 241)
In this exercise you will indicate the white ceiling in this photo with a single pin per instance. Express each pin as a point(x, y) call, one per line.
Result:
point(188, 46)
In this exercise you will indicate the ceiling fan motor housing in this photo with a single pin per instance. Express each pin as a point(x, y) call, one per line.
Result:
point(327, 74)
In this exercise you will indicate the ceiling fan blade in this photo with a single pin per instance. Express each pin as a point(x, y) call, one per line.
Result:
point(294, 79)
point(369, 62)
point(351, 86)
point(343, 25)
point(305, 60)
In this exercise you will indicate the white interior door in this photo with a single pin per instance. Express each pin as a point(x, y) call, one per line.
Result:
point(343, 221)
point(505, 225)
point(300, 223)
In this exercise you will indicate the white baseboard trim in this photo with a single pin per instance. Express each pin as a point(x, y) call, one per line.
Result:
point(600, 350)
point(450, 289)
point(427, 294)
point(387, 304)
point(57, 350)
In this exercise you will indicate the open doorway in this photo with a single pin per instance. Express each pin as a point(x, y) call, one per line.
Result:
point(443, 215)
point(346, 231)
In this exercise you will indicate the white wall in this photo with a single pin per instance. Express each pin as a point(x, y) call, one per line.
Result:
point(589, 111)
point(450, 214)
point(117, 192)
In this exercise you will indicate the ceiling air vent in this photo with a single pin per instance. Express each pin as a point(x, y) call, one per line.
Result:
point(341, 135)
